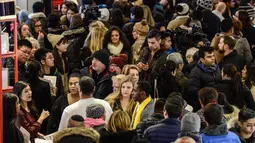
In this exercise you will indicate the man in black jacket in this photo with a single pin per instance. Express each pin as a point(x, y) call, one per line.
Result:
point(99, 71)
point(206, 73)
point(226, 46)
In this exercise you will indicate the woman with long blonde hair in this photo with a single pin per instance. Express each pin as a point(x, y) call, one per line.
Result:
point(95, 39)
point(122, 98)
point(118, 129)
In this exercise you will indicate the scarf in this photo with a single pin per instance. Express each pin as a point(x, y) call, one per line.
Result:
point(90, 122)
point(115, 50)
point(136, 117)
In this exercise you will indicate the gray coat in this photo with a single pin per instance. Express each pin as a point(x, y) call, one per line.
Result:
point(148, 110)
point(243, 48)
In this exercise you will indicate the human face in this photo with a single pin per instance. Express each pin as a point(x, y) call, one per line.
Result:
point(135, 35)
point(49, 60)
point(209, 59)
point(115, 84)
point(73, 85)
point(38, 27)
point(23, 54)
point(126, 89)
point(97, 65)
point(154, 44)
point(134, 74)
point(70, 13)
point(26, 94)
point(248, 127)
point(62, 47)
point(63, 9)
point(34, 49)
point(137, 94)
point(221, 46)
point(115, 68)
point(162, 29)
point(189, 58)
point(244, 72)
point(168, 43)
point(24, 31)
point(115, 37)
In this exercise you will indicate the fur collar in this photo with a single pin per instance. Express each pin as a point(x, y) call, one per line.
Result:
point(87, 132)
point(36, 15)
point(216, 130)
point(115, 50)
point(73, 31)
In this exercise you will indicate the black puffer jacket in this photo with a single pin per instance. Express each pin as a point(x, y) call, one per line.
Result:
point(233, 58)
point(119, 137)
point(76, 38)
point(200, 77)
point(226, 87)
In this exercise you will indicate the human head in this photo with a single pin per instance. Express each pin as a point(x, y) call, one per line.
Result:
point(229, 3)
point(166, 40)
point(95, 111)
point(76, 121)
point(116, 80)
point(76, 21)
point(238, 26)
point(248, 74)
point(221, 7)
point(23, 91)
point(96, 38)
point(185, 139)
point(244, 17)
point(53, 21)
point(119, 121)
point(213, 114)
point(177, 59)
point(137, 13)
point(229, 70)
point(131, 70)
point(226, 44)
point(23, 30)
point(173, 107)
point(87, 85)
point(140, 29)
point(182, 9)
point(117, 63)
point(58, 42)
point(142, 91)
point(114, 35)
point(33, 70)
point(190, 53)
point(207, 95)
point(71, 11)
point(206, 56)
point(206, 4)
point(38, 7)
point(126, 87)
point(190, 123)
point(35, 45)
point(11, 106)
point(222, 100)
point(154, 40)
point(24, 50)
point(100, 60)
point(246, 121)
point(45, 57)
point(227, 25)
point(105, 14)
point(64, 7)
point(74, 79)
point(23, 16)
point(159, 106)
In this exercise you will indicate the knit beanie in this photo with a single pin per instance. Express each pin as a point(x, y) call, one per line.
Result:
point(190, 122)
point(105, 14)
point(207, 4)
point(119, 60)
point(95, 111)
point(54, 39)
point(142, 28)
point(182, 9)
point(191, 51)
point(102, 56)
point(23, 16)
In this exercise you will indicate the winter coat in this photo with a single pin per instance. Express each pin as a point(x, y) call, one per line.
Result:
point(103, 86)
point(178, 21)
point(118, 137)
point(158, 16)
point(249, 33)
point(56, 112)
point(233, 58)
point(243, 48)
point(236, 130)
point(219, 133)
point(200, 77)
point(148, 15)
point(136, 48)
point(128, 30)
point(76, 38)
point(143, 125)
point(182, 81)
point(11, 133)
point(164, 132)
point(226, 87)
point(76, 135)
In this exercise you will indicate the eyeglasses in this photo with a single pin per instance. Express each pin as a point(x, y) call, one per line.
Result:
point(50, 58)
point(38, 25)
point(26, 52)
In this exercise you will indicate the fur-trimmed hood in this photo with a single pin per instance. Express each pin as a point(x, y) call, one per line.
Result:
point(36, 15)
point(87, 132)
point(73, 31)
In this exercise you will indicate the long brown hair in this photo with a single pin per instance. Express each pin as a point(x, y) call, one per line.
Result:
point(119, 121)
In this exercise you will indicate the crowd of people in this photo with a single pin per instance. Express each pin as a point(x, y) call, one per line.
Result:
point(132, 71)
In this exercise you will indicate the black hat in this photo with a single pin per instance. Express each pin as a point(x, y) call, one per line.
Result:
point(102, 56)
